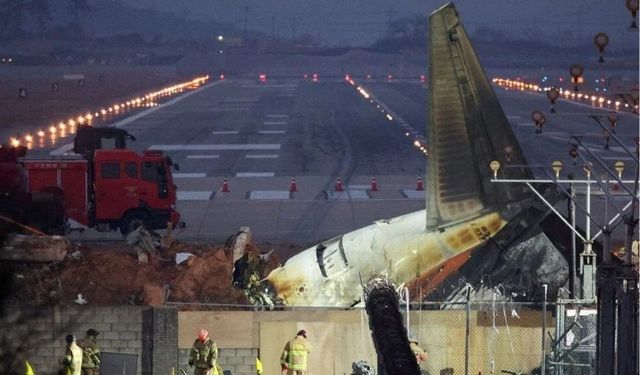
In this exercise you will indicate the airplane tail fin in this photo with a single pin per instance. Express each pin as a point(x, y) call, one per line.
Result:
point(467, 129)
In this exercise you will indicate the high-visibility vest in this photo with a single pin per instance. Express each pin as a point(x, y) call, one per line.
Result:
point(295, 353)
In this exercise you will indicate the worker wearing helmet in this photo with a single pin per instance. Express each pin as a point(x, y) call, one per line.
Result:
point(204, 355)
point(90, 353)
point(72, 361)
point(294, 354)
point(420, 354)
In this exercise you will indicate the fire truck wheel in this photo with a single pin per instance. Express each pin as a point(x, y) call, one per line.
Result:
point(134, 219)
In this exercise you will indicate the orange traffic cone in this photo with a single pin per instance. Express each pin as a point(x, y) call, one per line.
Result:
point(374, 184)
point(225, 186)
point(419, 185)
point(292, 186)
point(339, 185)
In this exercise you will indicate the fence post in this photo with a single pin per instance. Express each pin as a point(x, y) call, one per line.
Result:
point(466, 339)
point(544, 331)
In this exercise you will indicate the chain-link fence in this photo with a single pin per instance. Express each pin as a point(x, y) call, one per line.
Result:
point(497, 337)
point(478, 337)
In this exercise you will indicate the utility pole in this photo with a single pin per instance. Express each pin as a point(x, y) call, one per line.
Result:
point(293, 30)
point(273, 27)
point(390, 16)
point(246, 19)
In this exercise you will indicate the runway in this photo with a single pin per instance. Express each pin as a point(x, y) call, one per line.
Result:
point(260, 135)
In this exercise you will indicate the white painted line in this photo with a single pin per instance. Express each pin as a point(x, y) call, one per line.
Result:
point(123, 122)
point(275, 123)
point(261, 156)
point(526, 124)
point(269, 194)
point(347, 195)
point(278, 116)
point(194, 195)
point(203, 156)
point(225, 132)
point(255, 174)
point(219, 147)
point(513, 117)
point(189, 175)
point(272, 132)
point(230, 109)
point(414, 194)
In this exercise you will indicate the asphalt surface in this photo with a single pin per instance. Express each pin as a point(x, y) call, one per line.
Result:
point(259, 135)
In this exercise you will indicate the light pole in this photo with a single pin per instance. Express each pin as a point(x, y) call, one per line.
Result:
point(617, 284)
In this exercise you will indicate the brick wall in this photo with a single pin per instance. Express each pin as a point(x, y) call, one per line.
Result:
point(238, 361)
point(37, 335)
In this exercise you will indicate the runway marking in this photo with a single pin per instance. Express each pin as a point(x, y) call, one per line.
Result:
point(225, 132)
point(189, 175)
point(525, 124)
point(514, 117)
point(67, 147)
point(413, 194)
point(272, 132)
point(203, 156)
point(194, 195)
point(217, 147)
point(261, 156)
point(269, 194)
point(278, 116)
point(255, 174)
point(274, 123)
point(230, 109)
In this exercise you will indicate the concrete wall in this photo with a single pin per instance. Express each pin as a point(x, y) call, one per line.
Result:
point(500, 339)
point(37, 335)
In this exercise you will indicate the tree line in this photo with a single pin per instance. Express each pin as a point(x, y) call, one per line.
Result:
point(15, 15)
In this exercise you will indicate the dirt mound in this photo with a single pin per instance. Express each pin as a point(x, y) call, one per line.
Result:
point(111, 274)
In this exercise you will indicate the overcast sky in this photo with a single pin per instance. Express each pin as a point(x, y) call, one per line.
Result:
point(362, 21)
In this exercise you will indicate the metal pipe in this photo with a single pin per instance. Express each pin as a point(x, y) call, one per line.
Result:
point(466, 339)
point(572, 210)
point(544, 330)
point(408, 303)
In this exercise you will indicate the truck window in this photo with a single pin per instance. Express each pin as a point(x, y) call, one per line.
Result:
point(111, 170)
point(108, 143)
point(131, 169)
point(149, 171)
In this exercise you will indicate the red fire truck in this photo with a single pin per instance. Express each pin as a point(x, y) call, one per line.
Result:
point(106, 186)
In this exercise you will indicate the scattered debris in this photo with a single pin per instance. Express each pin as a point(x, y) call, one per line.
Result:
point(77, 255)
point(80, 300)
point(182, 257)
point(34, 248)
point(147, 243)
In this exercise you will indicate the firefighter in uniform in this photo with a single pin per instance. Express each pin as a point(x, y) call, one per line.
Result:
point(72, 361)
point(294, 354)
point(204, 355)
point(90, 353)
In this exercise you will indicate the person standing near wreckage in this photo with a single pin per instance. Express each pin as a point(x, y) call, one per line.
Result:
point(204, 355)
point(90, 353)
point(72, 360)
point(295, 353)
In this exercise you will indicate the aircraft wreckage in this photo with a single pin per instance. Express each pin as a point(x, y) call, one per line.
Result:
point(467, 220)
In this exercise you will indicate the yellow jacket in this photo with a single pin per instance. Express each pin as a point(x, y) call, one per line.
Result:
point(294, 354)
